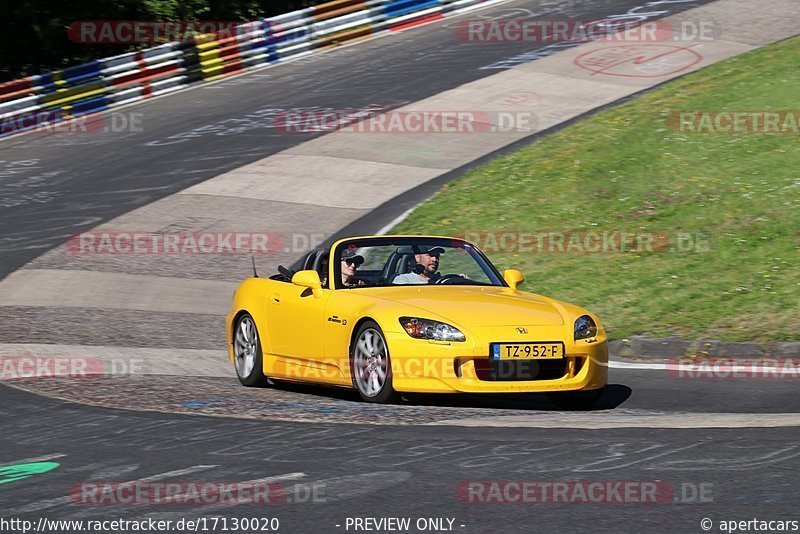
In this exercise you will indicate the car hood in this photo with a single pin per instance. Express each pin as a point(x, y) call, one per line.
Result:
point(473, 305)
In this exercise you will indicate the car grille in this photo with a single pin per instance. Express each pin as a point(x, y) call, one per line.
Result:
point(511, 371)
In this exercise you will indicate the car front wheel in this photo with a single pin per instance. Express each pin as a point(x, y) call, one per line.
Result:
point(370, 366)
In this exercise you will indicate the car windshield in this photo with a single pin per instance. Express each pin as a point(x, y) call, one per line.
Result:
point(398, 261)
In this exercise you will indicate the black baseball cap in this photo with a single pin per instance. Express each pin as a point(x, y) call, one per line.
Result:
point(350, 254)
point(433, 251)
point(420, 249)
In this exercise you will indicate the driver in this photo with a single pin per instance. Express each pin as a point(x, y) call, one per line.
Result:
point(350, 263)
point(425, 271)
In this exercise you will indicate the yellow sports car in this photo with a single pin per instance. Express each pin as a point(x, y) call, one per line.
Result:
point(395, 314)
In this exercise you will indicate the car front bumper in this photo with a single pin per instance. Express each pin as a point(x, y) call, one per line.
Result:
point(420, 366)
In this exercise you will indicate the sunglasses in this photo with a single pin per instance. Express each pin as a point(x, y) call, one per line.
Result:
point(353, 261)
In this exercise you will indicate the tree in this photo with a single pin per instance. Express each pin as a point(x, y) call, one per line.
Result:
point(37, 39)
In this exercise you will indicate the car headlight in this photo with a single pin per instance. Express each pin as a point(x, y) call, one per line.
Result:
point(585, 327)
point(430, 329)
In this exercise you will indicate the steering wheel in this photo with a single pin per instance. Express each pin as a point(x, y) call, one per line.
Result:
point(448, 278)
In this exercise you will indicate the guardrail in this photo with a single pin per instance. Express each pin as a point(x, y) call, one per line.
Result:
point(53, 97)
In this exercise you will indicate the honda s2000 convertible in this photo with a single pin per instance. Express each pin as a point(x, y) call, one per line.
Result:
point(387, 315)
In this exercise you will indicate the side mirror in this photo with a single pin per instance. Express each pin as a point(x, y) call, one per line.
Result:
point(513, 277)
point(309, 279)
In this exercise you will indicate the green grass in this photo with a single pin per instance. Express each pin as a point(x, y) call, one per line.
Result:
point(624, 169)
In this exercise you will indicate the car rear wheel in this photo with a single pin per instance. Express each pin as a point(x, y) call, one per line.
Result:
point(247, 356)
point(575, 400)
point(370, 366)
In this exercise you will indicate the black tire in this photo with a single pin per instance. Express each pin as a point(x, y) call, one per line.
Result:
point(575, 400)
point(386, 394)
point(248, 376)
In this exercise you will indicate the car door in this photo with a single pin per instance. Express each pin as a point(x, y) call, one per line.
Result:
point(295, 323)
point(341, 316)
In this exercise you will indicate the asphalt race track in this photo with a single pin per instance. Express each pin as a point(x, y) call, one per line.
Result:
point(406, 470)
point(718, 449)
